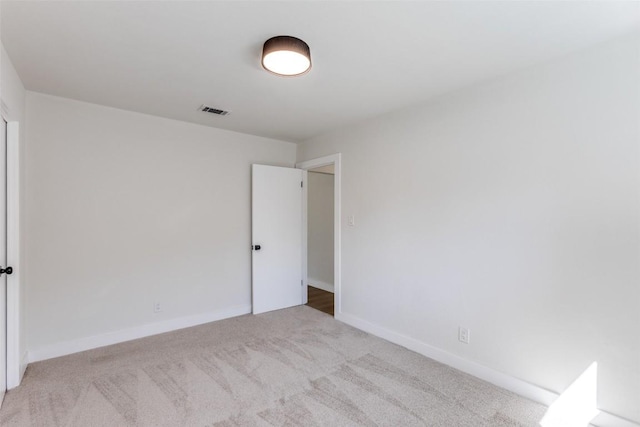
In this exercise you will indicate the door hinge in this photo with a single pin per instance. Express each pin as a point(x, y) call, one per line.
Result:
point(301, 283)
point(301, 184)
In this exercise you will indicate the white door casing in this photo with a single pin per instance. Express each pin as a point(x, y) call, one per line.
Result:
point(277, 236)
point(15, 361)
point(336, 161)
point(3, 258)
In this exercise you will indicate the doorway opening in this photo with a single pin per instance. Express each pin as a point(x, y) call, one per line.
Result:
point(320, 208)
point(12, 361)
point(321, 248)
point(3, 258)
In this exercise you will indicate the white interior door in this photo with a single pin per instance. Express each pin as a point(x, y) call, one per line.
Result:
point(3, 258)
point(277, 237)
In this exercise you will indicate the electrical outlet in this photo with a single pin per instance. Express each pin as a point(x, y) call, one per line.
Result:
point(464, 335)
point(157, 307)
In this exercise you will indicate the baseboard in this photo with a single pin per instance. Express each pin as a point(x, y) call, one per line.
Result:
point(320, 285)
point(518, 386)
point(606, 419)
point(96, 341)
point(24, 361)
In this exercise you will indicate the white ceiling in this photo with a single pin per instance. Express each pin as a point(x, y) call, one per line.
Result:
point(168, 58)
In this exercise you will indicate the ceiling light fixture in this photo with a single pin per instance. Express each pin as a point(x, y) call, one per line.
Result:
point(286, 56)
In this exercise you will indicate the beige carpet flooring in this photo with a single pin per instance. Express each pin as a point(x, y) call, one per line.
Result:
point(293, 367)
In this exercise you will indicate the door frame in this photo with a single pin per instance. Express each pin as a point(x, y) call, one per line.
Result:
point(335, 160)
point(15, 364)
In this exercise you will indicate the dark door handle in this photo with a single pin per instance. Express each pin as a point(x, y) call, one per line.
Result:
point(7, 270)
point(256, 247)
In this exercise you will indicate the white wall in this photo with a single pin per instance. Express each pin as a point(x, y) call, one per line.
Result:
point(125, 210)
point(320, 229)
point(510, 208)
point(13, 97)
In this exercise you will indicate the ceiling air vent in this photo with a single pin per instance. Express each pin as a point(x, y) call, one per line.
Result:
point(212, 110)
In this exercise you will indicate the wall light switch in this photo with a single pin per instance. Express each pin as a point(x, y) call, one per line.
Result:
point(464, 335)
point(352, 220)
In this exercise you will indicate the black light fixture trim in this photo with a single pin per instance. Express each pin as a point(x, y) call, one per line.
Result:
point(286, 43)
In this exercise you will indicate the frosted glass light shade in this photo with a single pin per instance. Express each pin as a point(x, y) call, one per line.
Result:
point(286, 56)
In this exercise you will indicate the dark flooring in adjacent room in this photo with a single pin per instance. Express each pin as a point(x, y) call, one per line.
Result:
point(320, 300)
